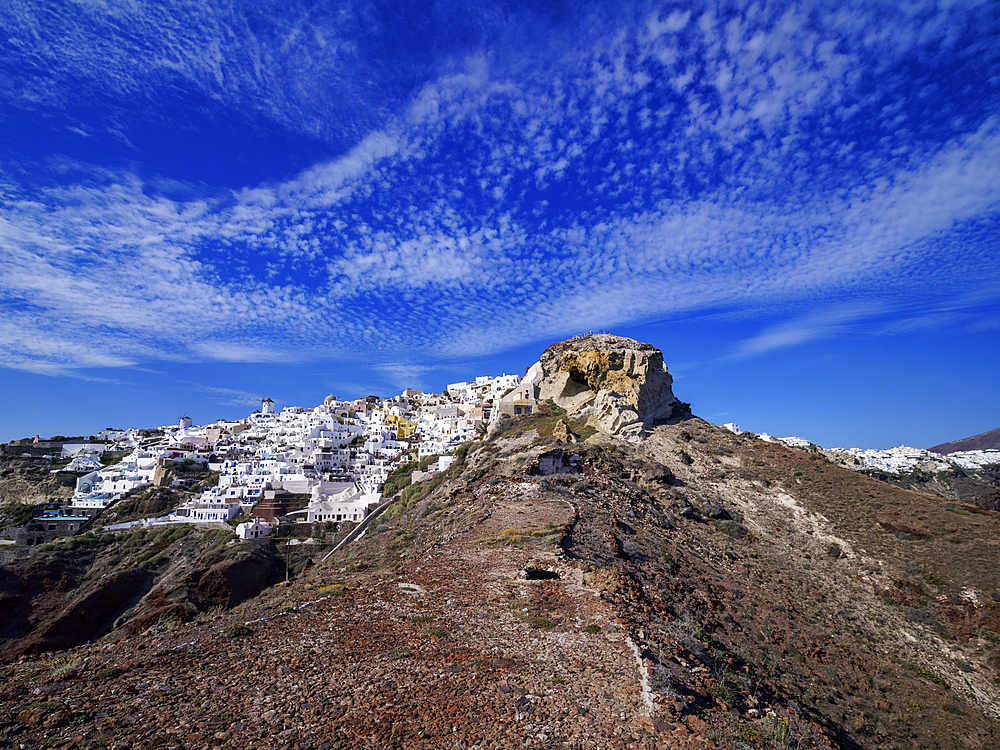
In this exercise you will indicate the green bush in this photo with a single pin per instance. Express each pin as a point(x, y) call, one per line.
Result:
point(155, 562)
point(542, 623)
point(236, 631)
point(398, 479)
point(64, 669)
point(747, 732)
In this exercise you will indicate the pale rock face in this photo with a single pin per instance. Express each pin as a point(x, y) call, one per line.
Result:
point(619, 384)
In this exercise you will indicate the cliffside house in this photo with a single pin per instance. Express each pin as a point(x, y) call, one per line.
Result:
point(254, 529)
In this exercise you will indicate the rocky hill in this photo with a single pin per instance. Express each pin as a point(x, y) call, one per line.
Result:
point(984, 441)
point(571, 584)
point(82, 588)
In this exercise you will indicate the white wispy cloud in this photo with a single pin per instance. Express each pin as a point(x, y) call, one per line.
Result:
point(821, 324)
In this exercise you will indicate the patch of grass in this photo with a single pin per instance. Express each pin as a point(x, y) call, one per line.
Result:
point(155, 541)
point(927, 674)
point(592, 629)
point(89, 539)
point(237, 631)
point(704, 636)
point(110, 673)
point(211, 615)
point(777, 728)
point(721, 693)
point(543, 422)
point(542, 623)
point(423, 618)
point(20, 513)
point(399, 479)
point(437, 632)
point(67, 665)
point(155, 562)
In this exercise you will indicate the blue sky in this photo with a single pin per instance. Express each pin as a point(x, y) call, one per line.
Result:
point(799, 203)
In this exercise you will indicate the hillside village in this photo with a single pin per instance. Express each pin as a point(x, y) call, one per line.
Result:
point(337, 455)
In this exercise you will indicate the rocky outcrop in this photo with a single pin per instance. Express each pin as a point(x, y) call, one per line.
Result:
point(619, 385)
point(30, 480)
point(225, 584)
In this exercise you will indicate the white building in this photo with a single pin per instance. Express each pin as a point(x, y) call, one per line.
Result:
point(209, 507)
point(83, 462)
point(72, 449)
point(100, 488)
point(255, 529)
point(338, 502)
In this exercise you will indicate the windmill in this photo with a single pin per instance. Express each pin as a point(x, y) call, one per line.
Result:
point(266, 404)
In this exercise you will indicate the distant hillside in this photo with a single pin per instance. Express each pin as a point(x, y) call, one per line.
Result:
point(982, 442)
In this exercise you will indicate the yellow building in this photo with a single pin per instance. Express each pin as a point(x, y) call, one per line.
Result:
point(404, 427)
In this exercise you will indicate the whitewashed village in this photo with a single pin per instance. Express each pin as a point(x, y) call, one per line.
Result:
point(336, 456)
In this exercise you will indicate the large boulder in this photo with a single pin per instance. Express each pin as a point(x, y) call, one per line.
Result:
point(620, 385)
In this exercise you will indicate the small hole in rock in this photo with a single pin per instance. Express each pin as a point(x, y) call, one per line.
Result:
point(536, 574)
